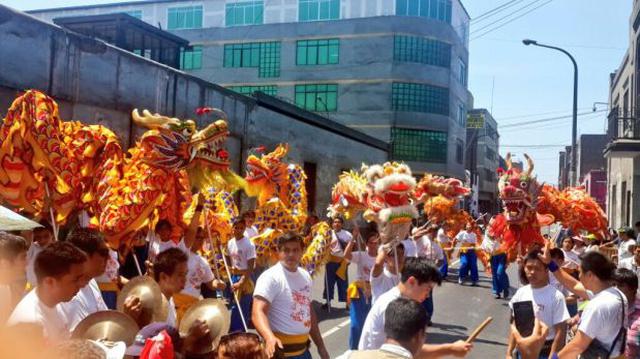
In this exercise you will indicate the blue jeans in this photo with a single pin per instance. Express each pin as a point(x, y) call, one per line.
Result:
point(332, 280)
point(245, 305)
point(500, 280)
point(357, 313)
point(469, 263)
point(428, 305)
point(444, 268)
point(305, 355)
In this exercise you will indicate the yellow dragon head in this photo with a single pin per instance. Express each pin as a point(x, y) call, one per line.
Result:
point(267, 176)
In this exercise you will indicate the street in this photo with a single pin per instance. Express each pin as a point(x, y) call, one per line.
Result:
point(458, 310)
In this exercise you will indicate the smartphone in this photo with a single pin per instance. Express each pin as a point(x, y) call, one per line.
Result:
point(524, 317)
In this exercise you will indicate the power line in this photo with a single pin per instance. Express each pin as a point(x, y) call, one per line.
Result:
point(537, 114)
point(496, 9)
point(510, 21)
point(528, 5)
point(550, 119)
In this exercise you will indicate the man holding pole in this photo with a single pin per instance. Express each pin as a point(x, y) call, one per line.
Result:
point(243, 261)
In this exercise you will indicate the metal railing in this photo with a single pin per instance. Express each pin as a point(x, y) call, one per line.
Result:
point(623, 124)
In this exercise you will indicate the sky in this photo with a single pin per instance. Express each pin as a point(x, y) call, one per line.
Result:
point(520, 83)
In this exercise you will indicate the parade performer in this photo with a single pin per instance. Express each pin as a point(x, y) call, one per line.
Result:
point(282, 311)
point(359, 291)
point(492, 244)
point(340, 241)
point(430, 250)
point(243, 261)
point(468, 258)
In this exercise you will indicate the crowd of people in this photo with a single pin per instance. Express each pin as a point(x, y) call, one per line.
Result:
point(584, 306)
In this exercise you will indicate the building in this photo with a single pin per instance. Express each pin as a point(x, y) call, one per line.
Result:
point(589, 156)
point(595, 184)
point(393, 69)
point(98, 83)
point(563, 167)
point(622, 152)
point(483, 160)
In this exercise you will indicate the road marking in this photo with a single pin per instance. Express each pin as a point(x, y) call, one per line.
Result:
point(336, 328)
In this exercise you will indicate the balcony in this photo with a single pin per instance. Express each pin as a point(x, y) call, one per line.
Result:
point(623, 133)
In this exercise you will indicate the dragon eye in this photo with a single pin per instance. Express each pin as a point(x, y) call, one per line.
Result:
point(523, 184)
point(186, 131)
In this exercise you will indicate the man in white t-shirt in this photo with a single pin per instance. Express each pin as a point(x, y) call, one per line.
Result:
point(627, 243)
point(418, 279)
point(548, 303)
point(445, 244)
point(633, 263)
point(59, 270)
point(160, 239)
point(339, 241)
point(13, 264)
point(603, 320)
point(249, 218)
point(467, 241)
point(109, 280)
point(498, 259)
point(242, 253)
point(410, 247)
point(89, 299)
point(359, 291)
point(384, 274)
point(430, 250)
point(170, 272)
point(42, 236)
point(282, 312)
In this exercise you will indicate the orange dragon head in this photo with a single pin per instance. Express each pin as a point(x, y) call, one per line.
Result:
point(174, 144)
point(431, 186)
point(267, 173)
point(518, 192)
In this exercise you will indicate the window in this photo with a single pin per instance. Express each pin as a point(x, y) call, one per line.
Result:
point(244, 13)
point(490, 154)
point(314, 10)
point(459, 150)
point(462, 72)
point(188, 17)
point(320, 98)
point(191, 59)
point(318, 52)
point(434, 9)
point(419, 145)
point(462, 115)
point(263, 55)
point(420, 98)
point(248, 90)
point(421, 50)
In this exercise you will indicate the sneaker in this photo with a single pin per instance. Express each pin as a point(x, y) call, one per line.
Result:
point(497, 296)
point(460, 281)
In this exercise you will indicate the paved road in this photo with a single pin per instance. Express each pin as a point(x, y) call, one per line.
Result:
point(458, 310)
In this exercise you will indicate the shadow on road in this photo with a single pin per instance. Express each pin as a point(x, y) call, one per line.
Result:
point(324, 314)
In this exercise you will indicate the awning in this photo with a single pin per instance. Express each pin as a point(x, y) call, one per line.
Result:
point(11, 221)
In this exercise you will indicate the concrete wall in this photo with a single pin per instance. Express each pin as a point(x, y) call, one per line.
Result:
point(623, 172)
point(97, 83)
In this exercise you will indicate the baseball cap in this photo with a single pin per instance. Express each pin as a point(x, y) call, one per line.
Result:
point(150, 331)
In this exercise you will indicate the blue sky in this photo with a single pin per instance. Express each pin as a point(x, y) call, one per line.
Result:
point(529, 80)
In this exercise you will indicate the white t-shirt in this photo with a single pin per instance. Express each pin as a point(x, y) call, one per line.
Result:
point(32, 253)
point(553, 281)
point(110, 274)
point(373, 336)
point(289, 295)
point(240, 252)
point(341, 236)
point(468, 238)
point(87, 301)
point(429, 249)
point(172, 316)
point(158, 246)
point(623, 251)
point(410, 248)
point(364, 264)
point(199, 272)
point(32, 310)
point(548, 305)
point(630, 264)
point(602, 318)
point(571, 260)
point(383, 283)
point(442, 237)
point(251, 232)
point(490, 245)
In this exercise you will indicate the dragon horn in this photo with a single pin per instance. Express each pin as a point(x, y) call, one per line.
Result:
point(529, 165)
point(152, 120)
point(507, 159)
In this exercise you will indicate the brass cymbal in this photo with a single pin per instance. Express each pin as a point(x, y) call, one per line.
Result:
point(215, 314)
point(154, 304)
point(107, 325)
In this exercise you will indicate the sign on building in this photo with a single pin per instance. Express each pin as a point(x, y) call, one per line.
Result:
point(475, 120)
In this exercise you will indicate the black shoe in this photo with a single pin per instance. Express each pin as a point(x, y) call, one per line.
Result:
point(497, 296)
point(429, 323)
point(325, 306)
point(474, 284)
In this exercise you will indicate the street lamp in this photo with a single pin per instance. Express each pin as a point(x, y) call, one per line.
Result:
point(573, 174)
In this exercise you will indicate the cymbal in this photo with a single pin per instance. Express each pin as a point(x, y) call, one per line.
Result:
point(154, 304)
point(215, 314)
point(107, 325)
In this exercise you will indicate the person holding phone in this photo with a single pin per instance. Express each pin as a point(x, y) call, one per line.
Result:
point(544, 302)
